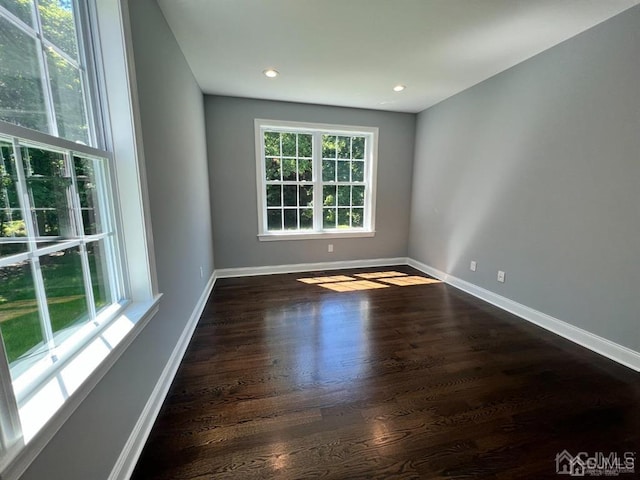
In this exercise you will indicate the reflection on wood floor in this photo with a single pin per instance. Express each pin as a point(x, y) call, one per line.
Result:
point(287, 379)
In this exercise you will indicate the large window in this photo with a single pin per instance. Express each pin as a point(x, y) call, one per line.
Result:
point(315, 180)
point(64, 286)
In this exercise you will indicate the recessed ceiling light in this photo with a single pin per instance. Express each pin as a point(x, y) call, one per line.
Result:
point(271, 73)
point(399, 88)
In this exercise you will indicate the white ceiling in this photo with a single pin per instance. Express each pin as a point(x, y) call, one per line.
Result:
point(352, 52)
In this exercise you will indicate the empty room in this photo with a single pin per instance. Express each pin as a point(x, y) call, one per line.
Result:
point(341, 239)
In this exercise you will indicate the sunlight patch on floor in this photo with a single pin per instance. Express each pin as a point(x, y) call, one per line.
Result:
point(352, 286)
point(336, 278)
point(380, 275)
point(364, 281)
point(413, 280)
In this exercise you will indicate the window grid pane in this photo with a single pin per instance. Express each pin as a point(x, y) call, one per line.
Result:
point(65, 291)
point(290, 218)
point(98, 257)
point(88, 179)
point(48, 185)
point(40, 69)
point(289, 180)
point(58, 25)
point(22, 98)
point(274, 219)
point(23, 10)
point(12, 226)
point(68, 98)
point(19, 319)
point(343, 179)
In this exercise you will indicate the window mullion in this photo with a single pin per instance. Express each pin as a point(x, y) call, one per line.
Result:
point(368, 182)
point(317, 181)
point(298, 186)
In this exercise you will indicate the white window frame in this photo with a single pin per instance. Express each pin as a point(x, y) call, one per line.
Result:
point(317, 130)
point(54, 401)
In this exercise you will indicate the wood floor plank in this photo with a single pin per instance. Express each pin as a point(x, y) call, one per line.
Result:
point(286, 379)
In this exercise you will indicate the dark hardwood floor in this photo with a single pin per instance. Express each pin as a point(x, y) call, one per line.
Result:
point(289, 380)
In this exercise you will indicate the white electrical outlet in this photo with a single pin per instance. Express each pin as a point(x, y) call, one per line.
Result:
point(330, 248)
point(473, 266)
point(500, 276)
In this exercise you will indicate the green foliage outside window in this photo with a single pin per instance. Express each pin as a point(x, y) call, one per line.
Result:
point(22, 98)
point(288, 158)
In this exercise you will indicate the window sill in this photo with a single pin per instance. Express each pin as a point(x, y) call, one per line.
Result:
point(54, 402)
point(270, 237)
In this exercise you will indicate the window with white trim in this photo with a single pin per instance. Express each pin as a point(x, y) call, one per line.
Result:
point(65, 288)
point(315, 180)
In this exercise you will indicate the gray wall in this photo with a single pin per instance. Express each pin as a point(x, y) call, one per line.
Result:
point(232, 160)
point(536, 171)
point(87, 446)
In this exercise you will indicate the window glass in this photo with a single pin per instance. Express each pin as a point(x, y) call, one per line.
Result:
point(13, 231)
point(41, 73)
point(48, 186)
point(348, 174)
point(98, 256)
point(68, 98)
point(89, 178)
point(65, 291)
point(274, 219)
point(58, 25)
point(19, 318)
point(22, 100)
point(23, 9)
point(288, 174)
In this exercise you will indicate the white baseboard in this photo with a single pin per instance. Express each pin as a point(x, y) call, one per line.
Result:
point(604, 347)
point(308, 267)
point(128, 458)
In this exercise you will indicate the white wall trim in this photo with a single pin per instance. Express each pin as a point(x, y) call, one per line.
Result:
point(604, 347)
point(128, 458)
point(308, 267)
